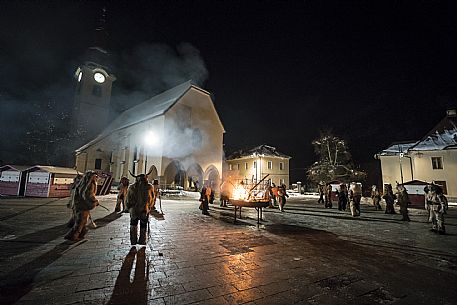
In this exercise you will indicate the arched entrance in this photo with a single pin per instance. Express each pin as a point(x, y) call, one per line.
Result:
point(153, 175)
point(212, 177)
point(174, 175)
point(194, 177)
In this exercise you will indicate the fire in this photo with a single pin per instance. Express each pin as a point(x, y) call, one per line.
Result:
point(239, 193)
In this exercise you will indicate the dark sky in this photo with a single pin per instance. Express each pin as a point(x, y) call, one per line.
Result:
point(373, 71)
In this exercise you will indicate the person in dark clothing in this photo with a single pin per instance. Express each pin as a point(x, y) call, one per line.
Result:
point(321, 190)
point(389, 197)
point(205, 196)
point(342, 197)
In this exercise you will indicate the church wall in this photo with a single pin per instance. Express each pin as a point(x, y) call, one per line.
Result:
point(189, 132)
point(203, 139)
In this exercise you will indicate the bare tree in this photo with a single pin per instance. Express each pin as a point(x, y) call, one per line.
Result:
point(335, 161)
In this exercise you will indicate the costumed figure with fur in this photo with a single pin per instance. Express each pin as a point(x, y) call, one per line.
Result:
point(140, 196)
point(282, 194)
point(84, 201)
point(328, 196)
point(156, 193)
point(403, 201)
point(121, 196)
point(320, 189)
point(389, 197)
point(71, 202)
point(226, 192)
point(355, 195)
point(435, 204)
point(342, 197)
point(376, 197)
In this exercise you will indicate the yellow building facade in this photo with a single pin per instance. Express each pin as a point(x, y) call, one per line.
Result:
point(254, 164)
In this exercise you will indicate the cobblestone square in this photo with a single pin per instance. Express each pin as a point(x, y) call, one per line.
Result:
point(305, 255)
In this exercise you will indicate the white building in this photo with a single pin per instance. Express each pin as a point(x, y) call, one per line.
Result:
point(177, 135)
point(433, 158)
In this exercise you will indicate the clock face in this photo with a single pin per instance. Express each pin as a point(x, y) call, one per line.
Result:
point(80, 76)
point(99, 77)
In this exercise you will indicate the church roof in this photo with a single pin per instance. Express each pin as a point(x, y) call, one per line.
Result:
point(153, 107)
point(263, 150)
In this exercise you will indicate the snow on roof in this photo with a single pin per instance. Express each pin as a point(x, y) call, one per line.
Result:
point(18, 168)
point(438, 141)
point(263, 150)
point(396, 148)
point(153, 107)
point(54, 169)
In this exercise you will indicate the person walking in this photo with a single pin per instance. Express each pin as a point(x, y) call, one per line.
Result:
point(139, 203)
point(328, 196)
point(121, 196)
point(320, 189)
point(376, 197)
point(342, 197)
point(355, 195)
point(389, 197)
point(84, 201)
point(403, 201)
point(435, 204)
point(282, 195)
point(205, 195)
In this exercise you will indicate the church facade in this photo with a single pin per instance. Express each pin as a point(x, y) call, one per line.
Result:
point(177, 136)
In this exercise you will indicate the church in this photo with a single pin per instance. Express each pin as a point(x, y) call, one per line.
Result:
point(176, 136)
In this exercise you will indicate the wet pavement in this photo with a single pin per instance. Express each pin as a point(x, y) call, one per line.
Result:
point(305, 255)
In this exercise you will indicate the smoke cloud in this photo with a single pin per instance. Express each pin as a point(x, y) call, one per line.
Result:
point(36, 103)
point(150, 69)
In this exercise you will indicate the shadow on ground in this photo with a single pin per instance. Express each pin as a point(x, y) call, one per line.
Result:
point(28, 242)
point(136, 291)
point(18, 282)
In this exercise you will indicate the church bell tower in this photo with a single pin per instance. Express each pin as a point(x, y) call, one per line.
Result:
point(94, 79)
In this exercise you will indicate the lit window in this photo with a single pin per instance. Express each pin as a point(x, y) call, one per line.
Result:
point(437, 163)
point(230, 167)
point(270, 165)
point(281, 166)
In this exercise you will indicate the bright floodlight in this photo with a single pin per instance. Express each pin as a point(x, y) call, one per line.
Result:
point(150, 138)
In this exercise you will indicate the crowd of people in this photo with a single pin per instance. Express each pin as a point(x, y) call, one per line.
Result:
point(139, 199)
point(349, 198)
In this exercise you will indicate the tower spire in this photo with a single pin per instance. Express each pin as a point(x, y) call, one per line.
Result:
point(101, 34)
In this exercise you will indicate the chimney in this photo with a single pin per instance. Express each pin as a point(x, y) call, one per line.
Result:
point(451, 113)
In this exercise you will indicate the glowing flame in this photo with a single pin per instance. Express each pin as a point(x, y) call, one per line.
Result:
point(239, 193)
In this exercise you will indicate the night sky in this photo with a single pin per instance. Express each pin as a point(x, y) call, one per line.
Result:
point(374, 72)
